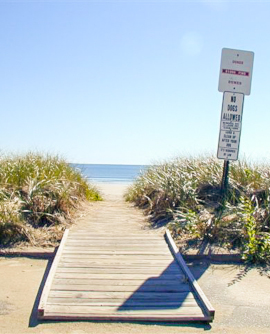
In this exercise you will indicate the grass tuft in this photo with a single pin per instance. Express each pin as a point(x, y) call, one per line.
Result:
point(185, 194)
point(38, 196)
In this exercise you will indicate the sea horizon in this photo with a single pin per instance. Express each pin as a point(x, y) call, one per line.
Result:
point(110, 173)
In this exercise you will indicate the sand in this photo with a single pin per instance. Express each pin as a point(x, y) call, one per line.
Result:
point(241, 299)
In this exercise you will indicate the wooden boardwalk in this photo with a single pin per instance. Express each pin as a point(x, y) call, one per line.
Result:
point(106, 271)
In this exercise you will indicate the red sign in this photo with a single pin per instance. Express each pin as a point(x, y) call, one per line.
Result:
point(234, 72)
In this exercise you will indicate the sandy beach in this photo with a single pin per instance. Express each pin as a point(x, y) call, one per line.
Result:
point(241, 298)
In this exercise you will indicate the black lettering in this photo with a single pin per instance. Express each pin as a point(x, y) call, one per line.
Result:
point(231, 107)
point(232, 118)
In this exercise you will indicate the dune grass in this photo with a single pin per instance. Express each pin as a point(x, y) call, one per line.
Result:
point(39, 195)
point(185, 194)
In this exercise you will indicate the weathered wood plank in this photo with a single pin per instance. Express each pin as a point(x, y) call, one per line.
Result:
point(194, 284)
point(126, 265)
point(85, 309)
point(107, 252)
point(49, 281)
point(132, 306)
point(82, 247)
point(112, 262)
point(178, 277)
point(123, 295)
point(119, 302)
point(123, 317)
point(100, 229)
point(106, 236)
point(102, 282)
point(103, 259)
point(117, 258)
point(114, 278)
point(138, 241)
point(111, 241)
point(144, 232)
point(113, 288)
point(123, 276)
point(120, 270)
point(88, 248)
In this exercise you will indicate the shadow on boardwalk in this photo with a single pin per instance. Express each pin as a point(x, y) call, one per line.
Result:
point(167, 291)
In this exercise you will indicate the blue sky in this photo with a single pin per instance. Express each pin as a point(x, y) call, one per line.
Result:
point(131, 82)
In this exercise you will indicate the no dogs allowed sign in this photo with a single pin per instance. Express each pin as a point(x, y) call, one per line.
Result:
point(235, 82)
point(230, 126)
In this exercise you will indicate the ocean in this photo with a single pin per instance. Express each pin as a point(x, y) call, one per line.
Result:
point(110, 173)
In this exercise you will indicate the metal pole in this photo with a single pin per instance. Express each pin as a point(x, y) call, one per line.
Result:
point(224, 181)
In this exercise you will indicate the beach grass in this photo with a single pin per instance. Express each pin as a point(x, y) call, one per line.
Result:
point(185, 195)
point(39, 195)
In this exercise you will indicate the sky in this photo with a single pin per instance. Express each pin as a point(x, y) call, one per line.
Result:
point(128, 82)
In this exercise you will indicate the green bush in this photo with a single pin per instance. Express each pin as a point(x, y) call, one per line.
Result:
point(38, 192)
point(186, 194)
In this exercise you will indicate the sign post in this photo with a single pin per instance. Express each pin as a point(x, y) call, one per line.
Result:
point(235, 82)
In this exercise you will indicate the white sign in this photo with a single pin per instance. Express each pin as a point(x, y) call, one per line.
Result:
point(230, 126)
point(236, 71)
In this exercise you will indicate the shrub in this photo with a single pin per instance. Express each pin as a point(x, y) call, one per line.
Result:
point(186, 194)
point(38, 192)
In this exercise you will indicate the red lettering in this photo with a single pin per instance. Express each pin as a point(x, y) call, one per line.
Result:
point(234, 72)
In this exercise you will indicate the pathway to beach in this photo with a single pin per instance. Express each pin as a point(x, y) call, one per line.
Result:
point(111, 266)
point(122, 215)
point(241, 307)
